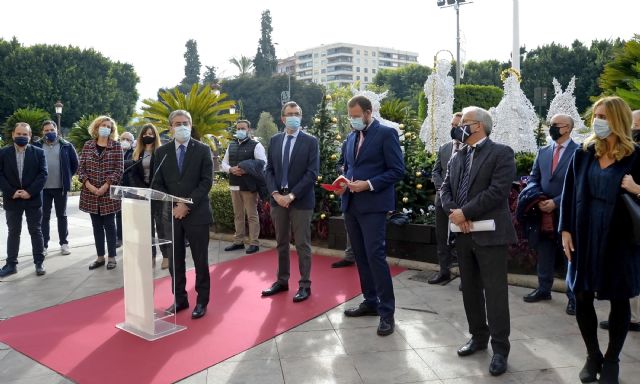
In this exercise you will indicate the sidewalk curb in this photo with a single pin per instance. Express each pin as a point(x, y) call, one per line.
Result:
point(526, 281)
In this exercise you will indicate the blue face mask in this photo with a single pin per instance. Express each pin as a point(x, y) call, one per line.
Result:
point(601, 128)
point(21, 141)
point(292, 122)
point(357, 123)
point(241, 134)
point(51, 136)
point(104, 131)
point(182, 133)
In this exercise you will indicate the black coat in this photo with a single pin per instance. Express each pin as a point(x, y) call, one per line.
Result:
point(611, 268)
point(256, 181)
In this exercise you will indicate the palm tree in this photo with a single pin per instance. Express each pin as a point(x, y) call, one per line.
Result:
point(244, 65)
point(621, 75)
point(209, 110)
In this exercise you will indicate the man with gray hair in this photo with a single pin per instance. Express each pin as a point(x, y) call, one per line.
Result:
point(542, 196)
point(476, 188)
point(23, 173)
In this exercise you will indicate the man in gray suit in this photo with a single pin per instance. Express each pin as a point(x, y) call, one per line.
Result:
point(293, 163)
point(547, 179)
point(477, 188)
point(445, 250)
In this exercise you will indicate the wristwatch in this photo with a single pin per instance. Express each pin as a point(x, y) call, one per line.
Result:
point(290, 196)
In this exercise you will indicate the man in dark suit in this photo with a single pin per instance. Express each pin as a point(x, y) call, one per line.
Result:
point(293, 163)
point(477, 187)
point(185, 170)
point(547, 177)
point(445, 250)
point(373, 164)
point(23, 173)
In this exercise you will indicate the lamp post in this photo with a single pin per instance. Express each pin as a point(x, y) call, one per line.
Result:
point(456, 5)
point(58, 107)
point(232, 110)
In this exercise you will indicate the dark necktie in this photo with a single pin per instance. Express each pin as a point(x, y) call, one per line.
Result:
point(181, 153)
point(463, 190)
point(285, 162)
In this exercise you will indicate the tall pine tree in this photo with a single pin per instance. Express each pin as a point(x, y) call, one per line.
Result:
point(265, 61)
point(191, 67)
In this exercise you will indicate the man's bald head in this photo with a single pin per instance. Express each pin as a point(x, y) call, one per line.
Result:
point(636, 119)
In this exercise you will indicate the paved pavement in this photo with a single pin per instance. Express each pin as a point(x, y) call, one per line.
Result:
point(431, 325)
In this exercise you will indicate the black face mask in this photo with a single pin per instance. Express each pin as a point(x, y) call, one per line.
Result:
point(461, 133)
point(554, 132)
point(635, 133)
point(148, 139)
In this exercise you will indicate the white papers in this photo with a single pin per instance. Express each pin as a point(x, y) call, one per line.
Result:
point(476, 226)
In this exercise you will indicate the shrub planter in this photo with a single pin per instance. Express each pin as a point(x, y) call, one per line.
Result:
point(411, 241)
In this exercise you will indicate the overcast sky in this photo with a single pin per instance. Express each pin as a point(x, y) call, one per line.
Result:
point(151, 34)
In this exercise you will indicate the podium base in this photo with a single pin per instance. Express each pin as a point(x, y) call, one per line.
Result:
point(161, 329)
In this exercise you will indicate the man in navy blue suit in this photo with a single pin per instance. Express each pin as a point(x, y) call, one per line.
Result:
point(23, 173)
point(373, 163)
point(293, 163)
point(547, 175)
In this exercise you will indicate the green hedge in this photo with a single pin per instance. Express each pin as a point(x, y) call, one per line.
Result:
point(483, 96)
point(221, 205)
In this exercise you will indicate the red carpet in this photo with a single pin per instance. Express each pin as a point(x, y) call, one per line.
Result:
point(80, 341)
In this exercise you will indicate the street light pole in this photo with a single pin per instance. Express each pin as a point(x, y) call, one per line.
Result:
point(58, 106)
point(457, 6)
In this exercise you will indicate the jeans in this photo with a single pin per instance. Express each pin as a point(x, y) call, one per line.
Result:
point(104, 225)
point(57, 197)
point(14, 224)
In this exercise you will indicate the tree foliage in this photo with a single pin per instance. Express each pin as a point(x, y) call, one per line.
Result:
point(485, 72)
point(621, 76)
point(209, 111)
point(483, 96)
point(265, 128)
point(259, 94)
point(209, 76)
point(32, 116)
point(244, 65)
point(404, 83)
point(192, 66)
point(83, 79)
point(265, 60)
point(80, 132)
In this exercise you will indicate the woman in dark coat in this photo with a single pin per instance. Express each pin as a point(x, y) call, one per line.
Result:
point(597, 233)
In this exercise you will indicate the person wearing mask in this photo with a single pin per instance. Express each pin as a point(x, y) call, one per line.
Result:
point(185, 170)
point(293, 163)
point(597, 237)
point(244, 193)
point(126, 143)
point(475, 188)
point(140, 174)
point(23, 173)
point(545, 186)
point(62, 164)
point(373, 163)
point(101, 166)
point(444, 248)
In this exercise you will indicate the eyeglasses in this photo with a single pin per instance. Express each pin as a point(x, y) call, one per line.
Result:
point(292, 114)
point(467, 125)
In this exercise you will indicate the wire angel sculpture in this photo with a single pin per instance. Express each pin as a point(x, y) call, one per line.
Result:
point(438, 89)
point(565, 103)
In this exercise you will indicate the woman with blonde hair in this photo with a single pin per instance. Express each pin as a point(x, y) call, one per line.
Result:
point(142, 174)
point(101, 165)
point(596, 228)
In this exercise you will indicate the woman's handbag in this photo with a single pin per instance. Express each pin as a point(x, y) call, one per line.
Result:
point(634, 212)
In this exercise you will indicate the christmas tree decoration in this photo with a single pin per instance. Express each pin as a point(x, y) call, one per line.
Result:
point(514, 119)
point(565, 103)
point(438, 88)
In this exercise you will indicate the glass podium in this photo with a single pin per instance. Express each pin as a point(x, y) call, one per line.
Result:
point(144, 313)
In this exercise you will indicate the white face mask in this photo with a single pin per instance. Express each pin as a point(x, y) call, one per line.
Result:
point(125, 144)
point(104, 131)
point(182, 133)
point(601, 128)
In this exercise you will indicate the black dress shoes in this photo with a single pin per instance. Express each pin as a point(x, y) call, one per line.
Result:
point(471, 347)
point(97, 264)
point(386, 326)
point(302, 294)
point(199, 311)
point(8, 269)
point(40, 271)
point(175, 308)
point(233, 247)
point(252, 249)
point(361, 310)
point(439, 278)
point(342, 263)
point(571, 308)
point(593, 366)
point(498, 365)
point(536, 296)
point(275, 288)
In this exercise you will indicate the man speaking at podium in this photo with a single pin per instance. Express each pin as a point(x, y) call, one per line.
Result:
point(185, 170)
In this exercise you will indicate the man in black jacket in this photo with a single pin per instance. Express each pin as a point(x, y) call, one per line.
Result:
point(185, 169)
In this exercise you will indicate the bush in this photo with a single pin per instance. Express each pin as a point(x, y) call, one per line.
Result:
point(524, 163)
point(483, 96)
point(221, 205)
point(32, 116)
point(76, 185)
